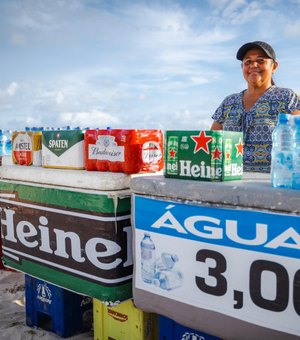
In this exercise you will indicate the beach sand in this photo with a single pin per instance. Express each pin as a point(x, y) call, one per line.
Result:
point(12, 312)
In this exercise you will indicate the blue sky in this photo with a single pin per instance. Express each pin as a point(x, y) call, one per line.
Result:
point(134, 64)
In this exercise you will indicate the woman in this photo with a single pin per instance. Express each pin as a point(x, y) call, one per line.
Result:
point(255, 110)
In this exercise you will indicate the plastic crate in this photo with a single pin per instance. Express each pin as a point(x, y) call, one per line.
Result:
point(124, 321)
point(56, 309)
point(171, 330)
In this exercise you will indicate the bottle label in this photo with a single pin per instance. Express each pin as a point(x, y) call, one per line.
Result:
point(106, 148)
point(151, 152)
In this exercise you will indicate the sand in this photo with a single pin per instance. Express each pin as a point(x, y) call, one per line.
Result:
point(12, 312)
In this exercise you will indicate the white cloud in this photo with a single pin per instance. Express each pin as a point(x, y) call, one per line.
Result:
point(11, 89)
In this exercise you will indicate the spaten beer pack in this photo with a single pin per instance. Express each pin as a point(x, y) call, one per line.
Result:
point(63, 149)
point(204, 155)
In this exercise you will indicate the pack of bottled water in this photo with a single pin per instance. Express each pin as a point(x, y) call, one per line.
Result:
point(5, 142)
point(160, 271)
point(285, 165)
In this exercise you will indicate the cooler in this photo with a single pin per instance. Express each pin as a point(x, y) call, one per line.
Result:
point(70, 228)
point(229, 252)
point(56, 309)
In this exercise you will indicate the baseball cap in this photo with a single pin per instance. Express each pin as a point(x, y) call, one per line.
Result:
point(256, 44)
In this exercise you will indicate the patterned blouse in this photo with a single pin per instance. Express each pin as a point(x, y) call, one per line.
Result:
point(257, 124)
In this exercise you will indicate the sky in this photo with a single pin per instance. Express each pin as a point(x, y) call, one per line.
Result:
point(134, 64)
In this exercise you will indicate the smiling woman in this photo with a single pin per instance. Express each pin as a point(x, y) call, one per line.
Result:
point(255, 110)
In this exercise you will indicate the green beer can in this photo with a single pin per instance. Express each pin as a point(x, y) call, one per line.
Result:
point(172, 156)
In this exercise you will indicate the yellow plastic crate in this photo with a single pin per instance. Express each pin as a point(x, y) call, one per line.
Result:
point(123, 322)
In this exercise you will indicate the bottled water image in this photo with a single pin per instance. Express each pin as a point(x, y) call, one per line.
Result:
point(148, 259)
point(296, 154)
point(282, 153)
point(166, 262)
point(168, 279)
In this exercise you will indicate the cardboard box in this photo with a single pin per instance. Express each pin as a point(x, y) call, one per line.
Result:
point(204, 155)
point(63, 149)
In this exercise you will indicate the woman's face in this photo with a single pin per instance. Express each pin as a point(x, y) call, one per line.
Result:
point(258, 68)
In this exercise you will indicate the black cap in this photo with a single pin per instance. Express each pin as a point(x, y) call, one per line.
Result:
point(256, 44)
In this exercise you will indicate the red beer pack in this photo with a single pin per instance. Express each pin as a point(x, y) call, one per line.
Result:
point(121, 150)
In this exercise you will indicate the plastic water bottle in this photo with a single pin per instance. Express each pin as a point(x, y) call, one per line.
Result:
point(296, 154)
point(148, 259)
point(8, 134)
point(167, 261)
point(168, 279)
point(282, 153)
point(2, 143)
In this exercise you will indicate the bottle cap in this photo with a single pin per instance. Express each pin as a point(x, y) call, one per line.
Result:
point(283, 118)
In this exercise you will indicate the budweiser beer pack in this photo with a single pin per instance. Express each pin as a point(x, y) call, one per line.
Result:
point(119, 150)
point(204, 155)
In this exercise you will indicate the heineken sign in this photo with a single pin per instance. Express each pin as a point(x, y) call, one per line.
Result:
point(84, 250)
point(204, 155)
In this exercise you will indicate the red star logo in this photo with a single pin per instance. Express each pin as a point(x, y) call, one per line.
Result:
point(202, 142)
point(239, 148)
point(228, 155)
point(216, 154)
point(172, 153)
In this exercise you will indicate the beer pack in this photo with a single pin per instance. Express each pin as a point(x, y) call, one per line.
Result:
point(204, 155)
point(122, 150)
point(63, 149)
point(27, 148)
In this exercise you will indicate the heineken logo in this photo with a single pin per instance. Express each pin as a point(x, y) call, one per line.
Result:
point(172, 153)
point(239, 148)
point(59, 238)
point(201, 142)
point(201, 170)
point(216, 154)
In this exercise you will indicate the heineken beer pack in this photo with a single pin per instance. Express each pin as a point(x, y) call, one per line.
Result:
point(204, 155)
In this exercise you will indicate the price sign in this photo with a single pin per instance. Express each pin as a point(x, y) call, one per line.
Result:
point(241, 263)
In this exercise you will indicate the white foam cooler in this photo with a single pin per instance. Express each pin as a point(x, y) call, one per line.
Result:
point(236, 245)
point(71, 228)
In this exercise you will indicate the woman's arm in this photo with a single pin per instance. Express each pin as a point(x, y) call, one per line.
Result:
point(218, 126)
point(296, 112)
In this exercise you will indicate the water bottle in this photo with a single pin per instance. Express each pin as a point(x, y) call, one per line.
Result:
point(2, 143)
point(282, 153)
point(166, 262)
point(296, 154)
point(168, 279)
point(148, 259)
point(8, 134)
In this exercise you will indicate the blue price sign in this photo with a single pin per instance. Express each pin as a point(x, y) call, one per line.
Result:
point(242, 263)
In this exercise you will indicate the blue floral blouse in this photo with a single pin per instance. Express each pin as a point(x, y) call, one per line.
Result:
point(257, 124)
